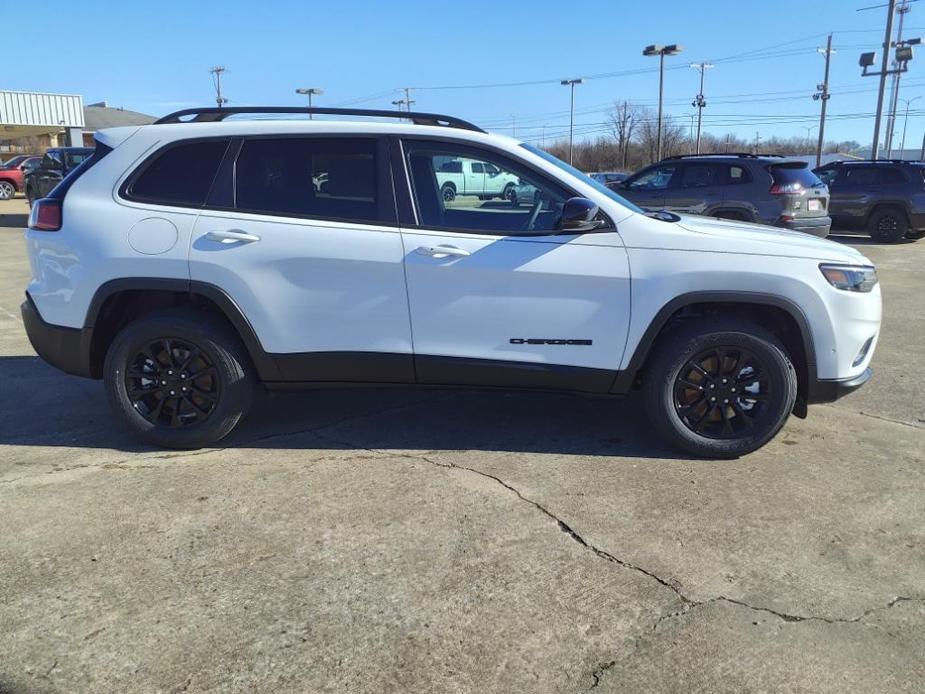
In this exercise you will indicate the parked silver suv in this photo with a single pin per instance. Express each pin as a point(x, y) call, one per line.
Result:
point(746, 187)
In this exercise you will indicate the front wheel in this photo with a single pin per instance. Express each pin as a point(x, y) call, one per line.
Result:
point(719, 390)
point(179, 378)
point(448, 192)
point(7, 190)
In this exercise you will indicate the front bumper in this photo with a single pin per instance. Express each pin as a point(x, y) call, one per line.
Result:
point(817, 226)
point(67, 349)
point(830, 391)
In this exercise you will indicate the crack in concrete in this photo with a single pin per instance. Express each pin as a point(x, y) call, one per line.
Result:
point(913, 425)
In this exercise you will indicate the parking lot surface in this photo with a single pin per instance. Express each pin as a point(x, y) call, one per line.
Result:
point(438, 541)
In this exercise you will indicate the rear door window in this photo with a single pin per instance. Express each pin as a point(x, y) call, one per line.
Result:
point(702, 175)
point(317, 178)
point(738, 174)
point(180, 175)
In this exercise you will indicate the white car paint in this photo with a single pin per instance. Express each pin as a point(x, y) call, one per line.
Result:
point(309, 286)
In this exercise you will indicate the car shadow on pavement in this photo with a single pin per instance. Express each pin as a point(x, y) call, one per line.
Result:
point(43, 407)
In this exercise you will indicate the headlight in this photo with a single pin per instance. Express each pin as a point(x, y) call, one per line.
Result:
point(851, 278)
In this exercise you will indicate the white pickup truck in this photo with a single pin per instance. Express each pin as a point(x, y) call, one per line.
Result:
point(473, 177)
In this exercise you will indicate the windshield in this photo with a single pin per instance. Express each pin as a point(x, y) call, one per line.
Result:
point(15, 161)
point(77, 156)
point(598, 186)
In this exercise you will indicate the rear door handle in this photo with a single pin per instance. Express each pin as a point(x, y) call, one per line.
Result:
point(442, 251)
point(232, 236)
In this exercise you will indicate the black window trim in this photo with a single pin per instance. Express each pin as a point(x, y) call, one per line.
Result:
point(384, 184)
point(406, 201)
point(226, 174)
point(126, 187)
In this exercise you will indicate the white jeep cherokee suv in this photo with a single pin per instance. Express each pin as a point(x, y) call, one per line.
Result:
point(188, 260)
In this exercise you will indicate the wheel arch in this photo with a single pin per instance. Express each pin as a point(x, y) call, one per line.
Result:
point(784, 317)
point(117, 302)
point(880, 205)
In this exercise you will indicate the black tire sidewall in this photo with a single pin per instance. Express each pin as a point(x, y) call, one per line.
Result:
point(681, 346)
point(220, 346)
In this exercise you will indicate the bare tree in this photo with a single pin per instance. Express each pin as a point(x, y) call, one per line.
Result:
point(623, 120)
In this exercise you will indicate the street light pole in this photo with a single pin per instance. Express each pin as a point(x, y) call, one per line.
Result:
point(902, 146)
point(699, 101)
point(309, 91)
point(571, 118)
point(661, 52)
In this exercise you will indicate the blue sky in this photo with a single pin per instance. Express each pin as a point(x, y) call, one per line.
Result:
point(154, 57)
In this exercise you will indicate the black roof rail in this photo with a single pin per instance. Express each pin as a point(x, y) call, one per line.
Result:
point(212, 114)
point(737, 155)
point(877, 161)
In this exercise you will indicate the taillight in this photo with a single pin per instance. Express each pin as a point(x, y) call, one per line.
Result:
point(45, 215)
point(787, 189)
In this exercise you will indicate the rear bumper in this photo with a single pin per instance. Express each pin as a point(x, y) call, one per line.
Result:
point(64, 348)
point(830, 391)
point(817, 226)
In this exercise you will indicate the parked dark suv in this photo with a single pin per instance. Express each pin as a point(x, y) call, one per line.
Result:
point(55, 165)
point(885, 197)
point(746, 187)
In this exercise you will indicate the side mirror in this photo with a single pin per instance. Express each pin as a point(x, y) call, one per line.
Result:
point(578, 215)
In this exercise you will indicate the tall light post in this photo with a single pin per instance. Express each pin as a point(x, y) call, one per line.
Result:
point(902, 146)
point(661, 52)
point(309, 91)
point(699, 101)
point(571, 117)
point(822, 94)
point(217, 73)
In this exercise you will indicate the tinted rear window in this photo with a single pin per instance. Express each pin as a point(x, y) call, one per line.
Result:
point(180, 175)
point(794, 173)
point(322, 178)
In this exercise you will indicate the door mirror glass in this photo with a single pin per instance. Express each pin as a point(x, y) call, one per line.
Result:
point(580, 215)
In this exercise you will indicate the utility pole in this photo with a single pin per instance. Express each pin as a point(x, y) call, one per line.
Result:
point(902, 146)
point(699, 102)
point(309, 91)
point(408, 100)
point(894, 87)
point(571, 117)
point(398, 103)
point(513, 125)
point(757, 141)
point(544, 136)
point(216, 73)
point(884, 65)
point(661, 52)
point(823, 95)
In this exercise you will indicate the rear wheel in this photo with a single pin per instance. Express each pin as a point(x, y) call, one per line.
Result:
point(887, 225)
point(448, 192)
point(7, 190)
point(179, 378)
point(719, 390)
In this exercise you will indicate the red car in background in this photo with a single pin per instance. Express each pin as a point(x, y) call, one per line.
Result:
point(13, 172)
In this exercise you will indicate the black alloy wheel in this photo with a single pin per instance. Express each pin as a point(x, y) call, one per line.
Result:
point(722, 392)
point(172, 382)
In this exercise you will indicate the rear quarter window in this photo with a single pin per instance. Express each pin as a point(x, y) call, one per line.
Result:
point(180, 174)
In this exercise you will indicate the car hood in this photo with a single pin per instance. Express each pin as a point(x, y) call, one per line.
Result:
point(775, 241)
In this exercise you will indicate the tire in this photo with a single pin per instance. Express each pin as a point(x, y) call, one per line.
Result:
point(506, 193)
point(216, 400)
point(7, 190)
point(511, 196)
point(687, 418)
point(887, 225)
point(448, 191)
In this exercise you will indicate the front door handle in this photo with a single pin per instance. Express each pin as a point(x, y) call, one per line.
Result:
point(442, 251)
point(232, 236)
